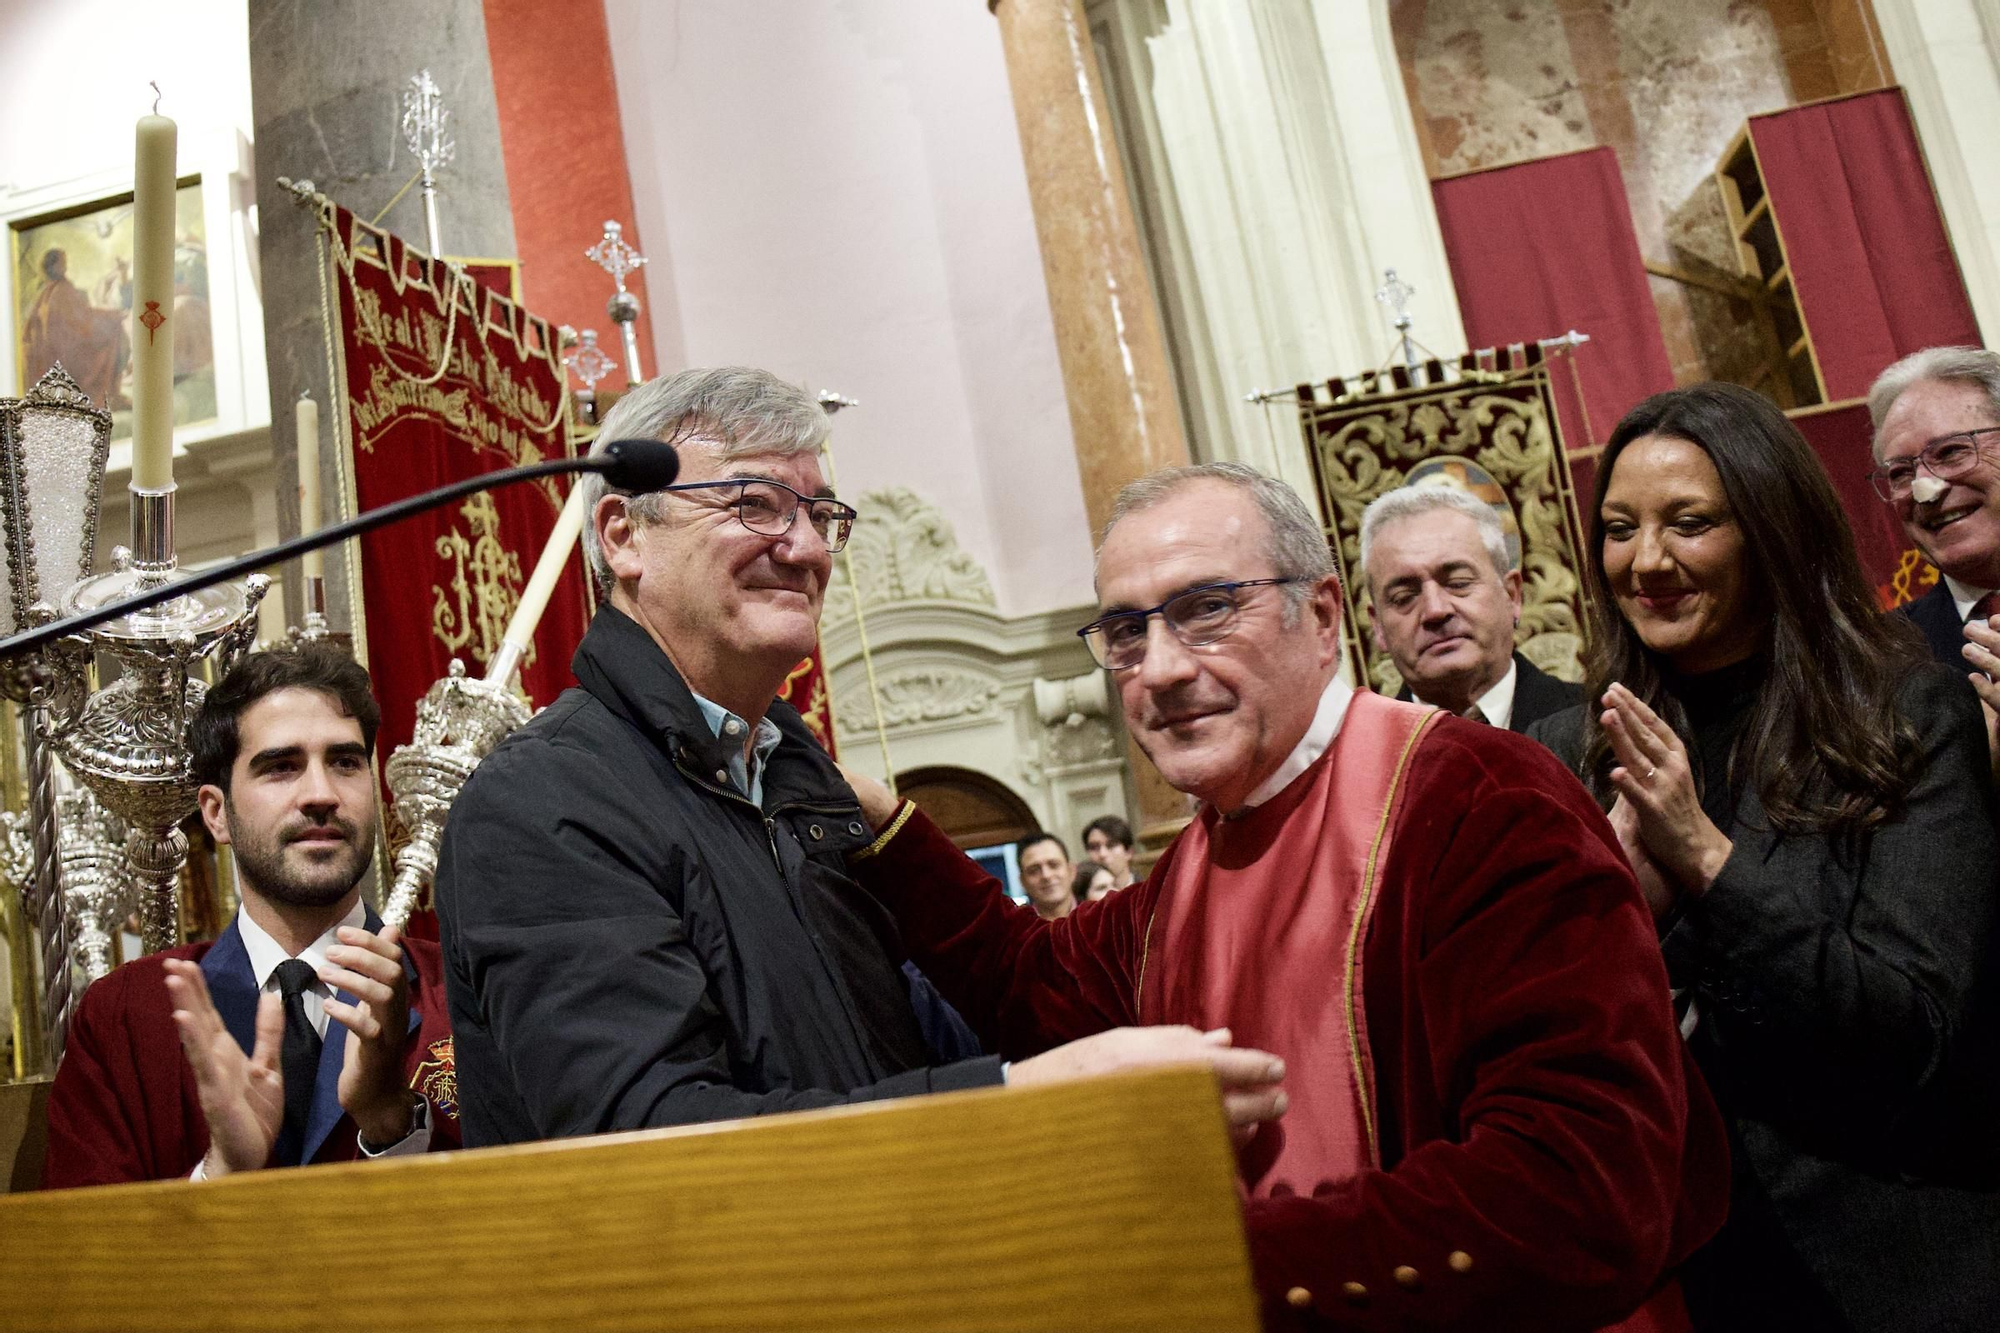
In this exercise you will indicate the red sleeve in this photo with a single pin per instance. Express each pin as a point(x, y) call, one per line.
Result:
point(1541, 1120)
point(110, 1120)
point(1024, 984)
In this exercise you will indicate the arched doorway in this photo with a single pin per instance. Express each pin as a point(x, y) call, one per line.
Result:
point(972, 809)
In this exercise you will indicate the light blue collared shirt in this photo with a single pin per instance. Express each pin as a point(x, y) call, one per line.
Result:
point(747, 776)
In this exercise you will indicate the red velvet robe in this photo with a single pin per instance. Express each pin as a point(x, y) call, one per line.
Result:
point(124, 1105)
point(1547, 1153)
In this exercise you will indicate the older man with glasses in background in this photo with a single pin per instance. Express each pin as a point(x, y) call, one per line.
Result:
point(1937, 461)
point(1492, 1122)
point(645, 912)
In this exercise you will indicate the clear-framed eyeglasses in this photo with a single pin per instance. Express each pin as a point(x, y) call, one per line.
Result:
point(1198, 617)
point(769, 508)
point(1948, 458)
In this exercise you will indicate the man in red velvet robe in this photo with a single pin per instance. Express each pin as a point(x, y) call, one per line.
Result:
point(1492, 1123)
point(305, 1033)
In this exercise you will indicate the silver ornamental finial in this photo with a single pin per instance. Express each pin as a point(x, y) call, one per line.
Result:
point(589, 362)
point(832, 400)
point(427, 133)
point(615, 257)
point(427, 124)
point(1395, 294)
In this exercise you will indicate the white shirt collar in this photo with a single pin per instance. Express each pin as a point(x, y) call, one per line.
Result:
point(1332, 711)
point(266, 953)
point(1497, 704)
point(1963, 596)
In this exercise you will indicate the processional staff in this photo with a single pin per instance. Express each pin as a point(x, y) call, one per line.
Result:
point(427, 134)
point(616, 257)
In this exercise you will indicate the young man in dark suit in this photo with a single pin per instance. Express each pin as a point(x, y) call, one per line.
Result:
point(1447, 599)
point(213, 1058)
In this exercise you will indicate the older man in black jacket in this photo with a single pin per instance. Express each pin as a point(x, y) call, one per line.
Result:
point(646, 916)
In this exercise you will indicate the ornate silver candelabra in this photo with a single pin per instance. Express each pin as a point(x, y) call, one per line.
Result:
point(97, 887)
point(128, 741)
point(614, 256)
point(459, 721)
point(427, 134)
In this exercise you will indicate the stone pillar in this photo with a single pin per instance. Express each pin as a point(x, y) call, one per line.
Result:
point(1122, 409)
point(326, 85)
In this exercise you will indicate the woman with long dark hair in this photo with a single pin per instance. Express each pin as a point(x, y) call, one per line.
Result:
point(1807, 802)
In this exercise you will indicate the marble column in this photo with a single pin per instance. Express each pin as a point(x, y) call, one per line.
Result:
point(326, 84)
point(1122, 410)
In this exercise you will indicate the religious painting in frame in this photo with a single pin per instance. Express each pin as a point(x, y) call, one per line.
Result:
point(1487, 431)
point(72, 303)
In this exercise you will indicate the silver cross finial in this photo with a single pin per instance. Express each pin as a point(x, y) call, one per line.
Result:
point(613, 255)
point(1395, 294)
point(589, 362)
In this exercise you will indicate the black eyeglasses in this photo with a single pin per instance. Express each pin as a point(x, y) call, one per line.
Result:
point(1948, 458)
point(769, 508)
point(1197, 617)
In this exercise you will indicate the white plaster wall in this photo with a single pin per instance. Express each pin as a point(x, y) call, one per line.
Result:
point(73, 77)
point(833, 189)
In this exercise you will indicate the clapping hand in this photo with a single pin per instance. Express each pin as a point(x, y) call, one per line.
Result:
point(242, 1096)
point(1982, 651)
point(372, 1088)
point(1655, 781)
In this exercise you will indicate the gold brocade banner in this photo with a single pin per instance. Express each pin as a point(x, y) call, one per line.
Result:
point(443, 378)
point(805, 689)
point(1485, 430)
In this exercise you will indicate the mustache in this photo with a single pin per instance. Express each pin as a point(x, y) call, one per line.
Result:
point(346, 828)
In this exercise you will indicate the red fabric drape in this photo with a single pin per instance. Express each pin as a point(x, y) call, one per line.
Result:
point(1870, 261)
point(1842, 437)
point(1543, 247)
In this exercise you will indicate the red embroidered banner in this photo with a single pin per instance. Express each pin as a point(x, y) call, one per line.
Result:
point(445, 378)
point(806, 690)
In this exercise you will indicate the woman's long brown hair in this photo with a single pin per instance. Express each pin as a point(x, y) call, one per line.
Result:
point(1825, 747)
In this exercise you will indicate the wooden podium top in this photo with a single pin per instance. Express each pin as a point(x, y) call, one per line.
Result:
point(1105, 1204)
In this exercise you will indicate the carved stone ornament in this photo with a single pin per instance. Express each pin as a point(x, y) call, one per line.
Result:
point(926, 694)
point(904, 550)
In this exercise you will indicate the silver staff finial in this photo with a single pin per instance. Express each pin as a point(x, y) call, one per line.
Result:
point(614, 256)
point(832, 400)
point(1395, 294)
point(427, 133)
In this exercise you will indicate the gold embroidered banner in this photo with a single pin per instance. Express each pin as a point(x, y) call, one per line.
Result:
point(1485, 428)
point(805, 689)
point(445, 378)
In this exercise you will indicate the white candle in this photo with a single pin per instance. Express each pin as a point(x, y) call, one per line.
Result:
point(153, 191)
point(312, 563)
point(542, 583)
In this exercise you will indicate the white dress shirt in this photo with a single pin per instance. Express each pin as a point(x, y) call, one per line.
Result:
point(1497, 704)
point(1332, 711)
point(1963, 596)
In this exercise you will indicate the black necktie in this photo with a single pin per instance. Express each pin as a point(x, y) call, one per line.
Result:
point(299, 1060)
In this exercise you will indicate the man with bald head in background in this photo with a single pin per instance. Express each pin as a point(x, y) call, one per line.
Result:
point(1492, 1123)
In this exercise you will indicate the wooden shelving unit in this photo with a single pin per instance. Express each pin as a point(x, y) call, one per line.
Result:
point(1791, 373)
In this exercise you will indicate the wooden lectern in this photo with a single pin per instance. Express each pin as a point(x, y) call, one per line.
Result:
point(1106, 1204)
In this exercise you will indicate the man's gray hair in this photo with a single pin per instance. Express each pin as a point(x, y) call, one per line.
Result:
point(1965, 365)
point(1410, 501)
point(736, 411)
point(1296, 544)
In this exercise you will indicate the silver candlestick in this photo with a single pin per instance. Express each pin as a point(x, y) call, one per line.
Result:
point(427, 134)
point(614, 256)
point(97, 885)
point(459, 721)
point(128, 741)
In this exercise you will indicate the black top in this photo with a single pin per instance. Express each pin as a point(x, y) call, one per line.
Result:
point(1847, 1026)
point(630, 942)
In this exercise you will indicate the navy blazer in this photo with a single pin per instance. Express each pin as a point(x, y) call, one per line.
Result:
point(1936, 614)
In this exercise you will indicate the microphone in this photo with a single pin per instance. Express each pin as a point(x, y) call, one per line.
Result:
point(626, 465)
